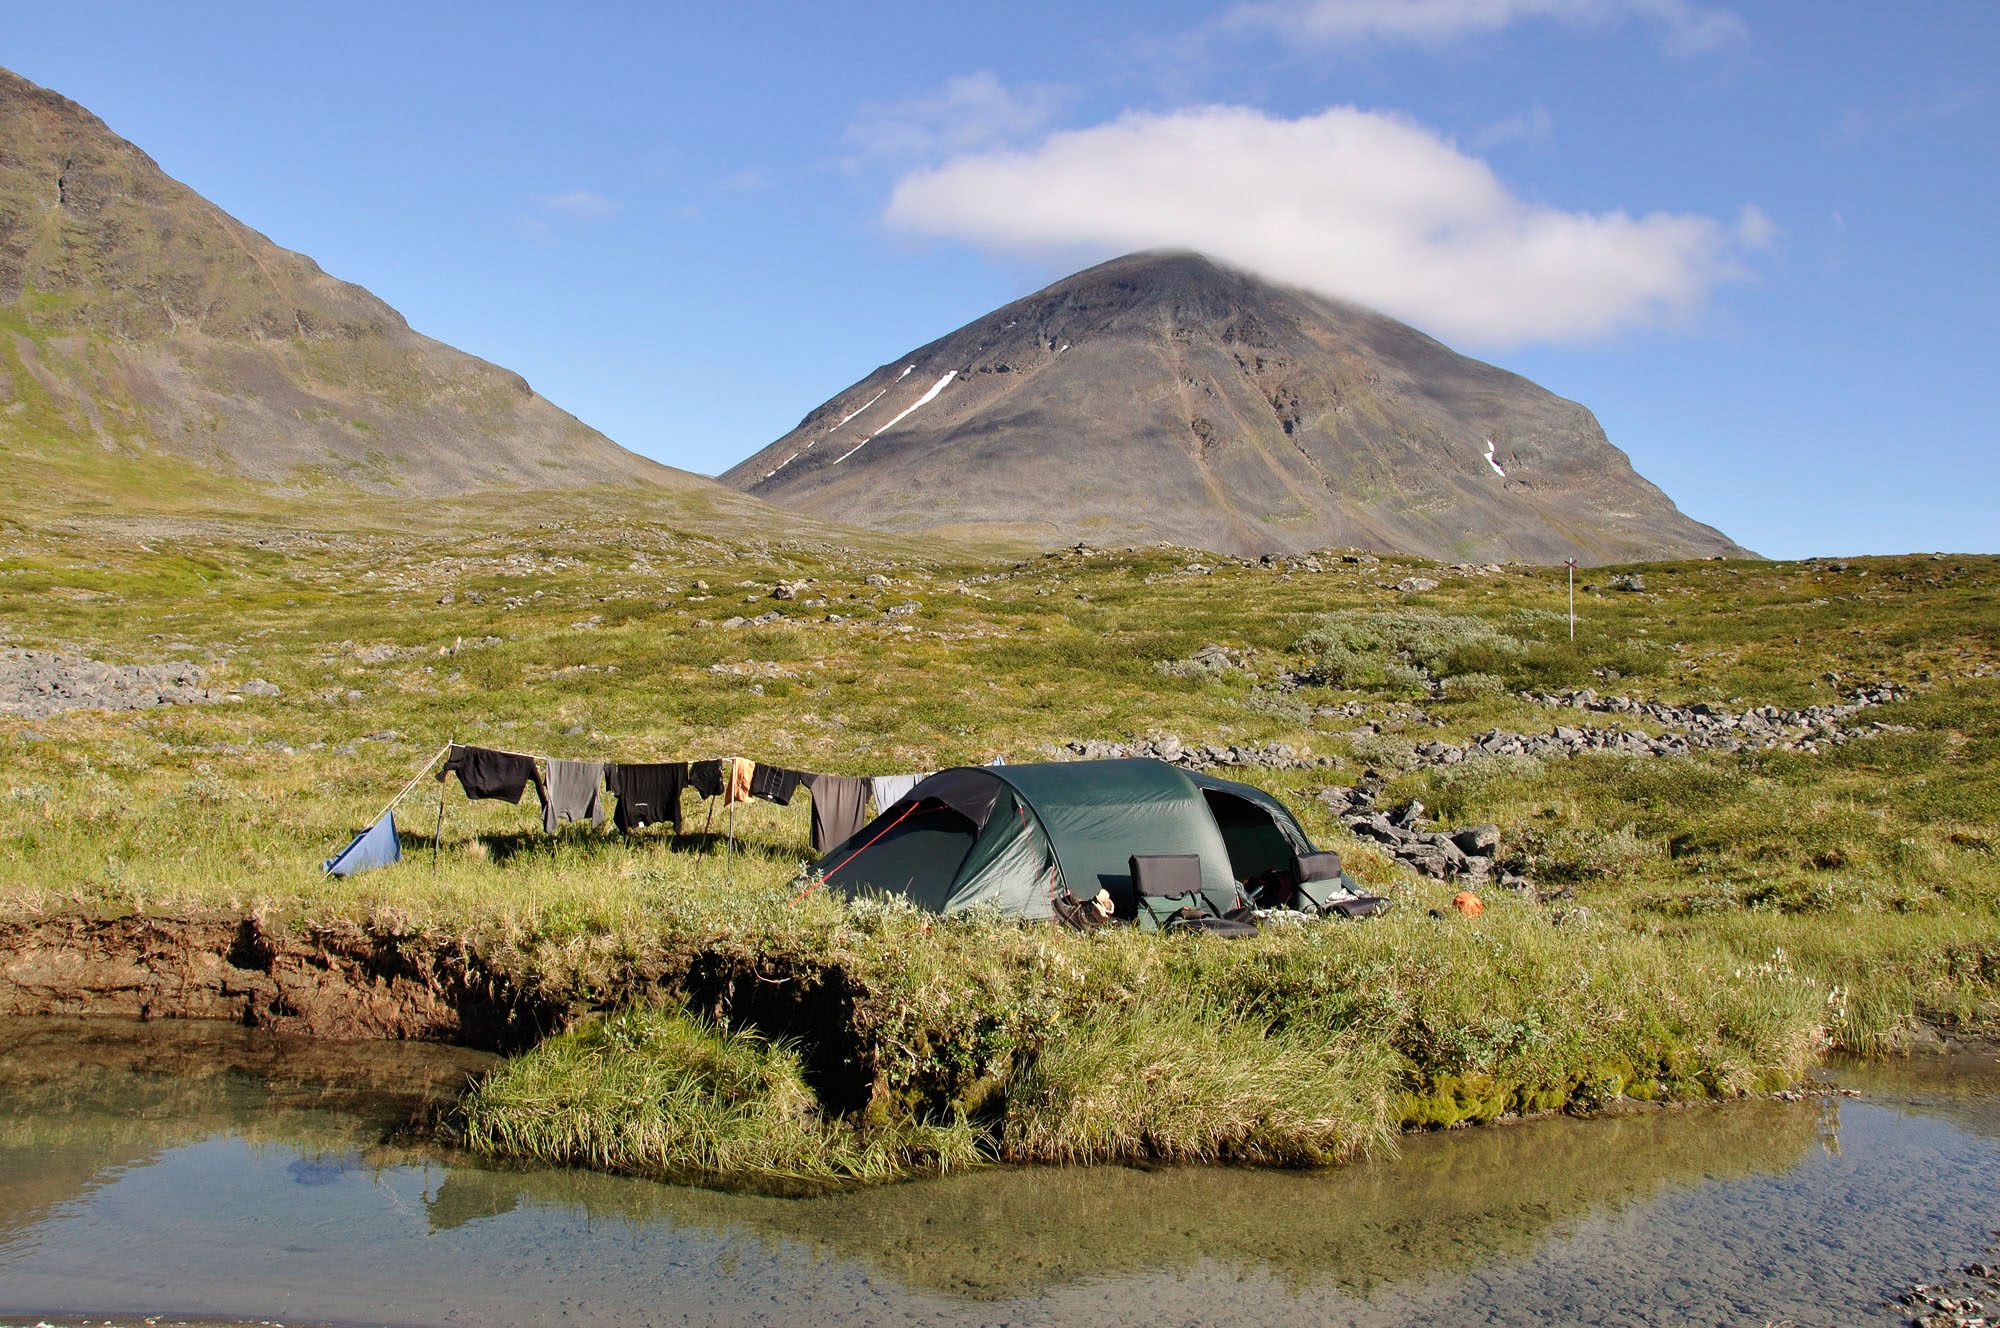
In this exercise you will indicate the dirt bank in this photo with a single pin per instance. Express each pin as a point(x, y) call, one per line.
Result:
point(340, 981)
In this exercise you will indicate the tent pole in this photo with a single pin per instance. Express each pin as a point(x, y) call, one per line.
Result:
point(437, 831)
point(414, 779)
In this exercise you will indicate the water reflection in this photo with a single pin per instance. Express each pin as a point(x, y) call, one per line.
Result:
point(86, 1101)
point(209, 1170)
point(1447, 1203)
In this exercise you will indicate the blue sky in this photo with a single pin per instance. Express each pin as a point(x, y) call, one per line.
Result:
point(1756, 241)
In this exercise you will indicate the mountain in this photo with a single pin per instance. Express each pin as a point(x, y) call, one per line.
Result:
point(139, 321)
point(1165, 396)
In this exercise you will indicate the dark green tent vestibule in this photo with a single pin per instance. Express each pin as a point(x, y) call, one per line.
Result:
point(1018, 837)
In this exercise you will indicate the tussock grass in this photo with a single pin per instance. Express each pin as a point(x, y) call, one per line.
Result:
point(1187, 1085)
point(658, 1094)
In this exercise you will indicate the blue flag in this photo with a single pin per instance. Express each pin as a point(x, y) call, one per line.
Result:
point(377, 846)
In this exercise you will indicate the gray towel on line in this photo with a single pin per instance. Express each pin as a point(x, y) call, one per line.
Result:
point(889, 789)
point(575, 789)
point(839, 806)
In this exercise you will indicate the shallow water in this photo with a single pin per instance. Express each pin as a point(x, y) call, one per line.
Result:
point(210, 1172)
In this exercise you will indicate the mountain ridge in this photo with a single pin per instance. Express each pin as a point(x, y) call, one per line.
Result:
point(139, 320)
point(1165, 395)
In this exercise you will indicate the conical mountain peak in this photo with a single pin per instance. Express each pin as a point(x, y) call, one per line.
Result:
point(1166, 395)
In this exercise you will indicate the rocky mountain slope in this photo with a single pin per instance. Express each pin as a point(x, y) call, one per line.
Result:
point(138, 320)
point(1164, 396)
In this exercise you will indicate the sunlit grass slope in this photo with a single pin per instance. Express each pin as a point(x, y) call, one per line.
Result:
point(1703, 923)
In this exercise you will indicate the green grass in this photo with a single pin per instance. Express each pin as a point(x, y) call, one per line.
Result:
point(661, 1095)
point(1708, 922)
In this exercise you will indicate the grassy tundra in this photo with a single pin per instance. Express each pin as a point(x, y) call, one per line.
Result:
point(1699, 925)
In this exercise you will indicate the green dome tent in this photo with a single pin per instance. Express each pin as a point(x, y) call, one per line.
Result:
point(1017, 837)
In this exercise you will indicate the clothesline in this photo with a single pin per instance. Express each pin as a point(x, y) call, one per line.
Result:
point(646, 793)
point(486, 772)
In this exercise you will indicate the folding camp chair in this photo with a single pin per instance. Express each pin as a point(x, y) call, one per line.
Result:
point(1168, 887)
point(1324, 887)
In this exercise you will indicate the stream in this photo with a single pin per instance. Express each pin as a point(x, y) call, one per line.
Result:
point(191, 1172)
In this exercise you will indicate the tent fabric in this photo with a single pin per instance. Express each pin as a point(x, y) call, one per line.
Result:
point(1017, 837)
point(1098, 813)
point(377, 846)
point(1261, 834)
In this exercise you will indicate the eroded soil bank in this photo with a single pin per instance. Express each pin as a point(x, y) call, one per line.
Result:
point(348, 981)
point(344, 981)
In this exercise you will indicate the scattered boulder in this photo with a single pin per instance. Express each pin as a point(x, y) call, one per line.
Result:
point(1478, 840)
point(38, 683)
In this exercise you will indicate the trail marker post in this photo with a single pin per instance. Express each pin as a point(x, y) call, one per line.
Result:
point(1571, 564)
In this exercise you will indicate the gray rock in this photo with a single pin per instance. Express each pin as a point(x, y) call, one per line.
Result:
point(1478, 840)
point(1425, 859)
point(906, 609)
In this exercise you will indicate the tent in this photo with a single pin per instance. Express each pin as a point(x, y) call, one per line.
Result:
point(1016, 837)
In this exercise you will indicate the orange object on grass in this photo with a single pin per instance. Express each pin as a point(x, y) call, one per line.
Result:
point(1467, 903)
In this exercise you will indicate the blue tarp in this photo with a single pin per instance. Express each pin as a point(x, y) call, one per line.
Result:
point(376, 846)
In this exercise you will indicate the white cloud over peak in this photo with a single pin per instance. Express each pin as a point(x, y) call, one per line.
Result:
point(969, 111)
point(1355, 204)
point(1690, 28)
point(583, 205)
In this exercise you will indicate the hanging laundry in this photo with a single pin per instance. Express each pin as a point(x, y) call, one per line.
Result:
point(890, 789)
point(647, 794)
point(377, 846)
point(705, 778)
point(575, 793)
point(839, 807)
point(738, 789)
point(485, 773)
point(774, 784)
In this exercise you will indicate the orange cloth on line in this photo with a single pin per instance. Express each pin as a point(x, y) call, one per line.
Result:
point(738, 787)
point(1468, 903)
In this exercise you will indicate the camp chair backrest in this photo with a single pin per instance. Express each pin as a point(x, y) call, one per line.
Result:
point(1323, 866)
point(1166, 875)
point(1325, 888)
point(1165, 883)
